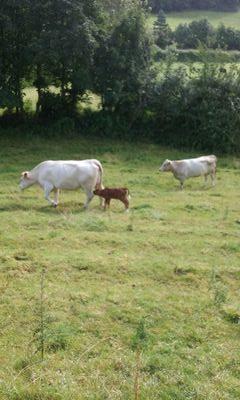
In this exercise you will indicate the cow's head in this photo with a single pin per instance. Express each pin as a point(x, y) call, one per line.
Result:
point(166, 166)
point(25, 180)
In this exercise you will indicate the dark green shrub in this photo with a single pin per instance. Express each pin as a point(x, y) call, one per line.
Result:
point(53, 106)
point(202, 112)
point(188, 36)
point(227, 38)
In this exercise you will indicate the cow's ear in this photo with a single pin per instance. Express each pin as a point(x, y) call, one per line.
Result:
point(25, 174)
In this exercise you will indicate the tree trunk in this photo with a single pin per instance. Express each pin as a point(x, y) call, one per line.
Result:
point(38, 87)
point(18, 92)
point(63, 82)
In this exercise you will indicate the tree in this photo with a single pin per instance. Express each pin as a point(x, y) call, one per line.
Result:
point(228, 38)
point(15, 52)
point(183, 36)
point(69, 39)
point(189, 36)
point(122, 80)
point(162, 31)
point(202, 31)
point(39, 14)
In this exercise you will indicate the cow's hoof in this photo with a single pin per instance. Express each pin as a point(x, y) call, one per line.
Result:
point(55, 205)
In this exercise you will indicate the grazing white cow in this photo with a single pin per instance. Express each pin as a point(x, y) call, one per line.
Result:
point(184, 169)
point(55, 175)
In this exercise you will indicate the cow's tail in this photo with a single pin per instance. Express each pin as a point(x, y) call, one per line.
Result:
point(99, 184)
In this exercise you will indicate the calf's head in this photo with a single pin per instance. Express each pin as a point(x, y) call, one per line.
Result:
point(166, 166)
point(25, 180)
point(97, 192)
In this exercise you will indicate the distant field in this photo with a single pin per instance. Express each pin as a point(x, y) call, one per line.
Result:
point(30, 99)
point(172, 261)
point(231, 19)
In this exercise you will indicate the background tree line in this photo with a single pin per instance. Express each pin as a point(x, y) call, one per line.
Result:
point(75, 45)
point(179, 5)
point(188, 36)
point(82, 46)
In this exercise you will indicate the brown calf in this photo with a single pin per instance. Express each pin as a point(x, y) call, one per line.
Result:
point(108, 194)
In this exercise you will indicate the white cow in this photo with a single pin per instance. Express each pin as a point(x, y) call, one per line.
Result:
point(55, 175)
point(184, 169)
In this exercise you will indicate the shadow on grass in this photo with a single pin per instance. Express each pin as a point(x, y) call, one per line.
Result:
point(46, 209)
point(14, 207)
point(188, 189)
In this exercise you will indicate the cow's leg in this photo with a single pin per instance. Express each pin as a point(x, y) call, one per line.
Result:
point(56, 194)
point(90, 195)
point(48, 187)
point(205, 178)
point(181, 185)
point(213, 176)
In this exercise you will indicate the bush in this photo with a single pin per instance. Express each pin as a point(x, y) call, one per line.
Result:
point(202, 112)
point(227, 38)
point(53, 106)
point(188, 36)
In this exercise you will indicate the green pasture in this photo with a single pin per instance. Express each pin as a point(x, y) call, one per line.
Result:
point(30, 99)
point(231, 19)
point(76, 284)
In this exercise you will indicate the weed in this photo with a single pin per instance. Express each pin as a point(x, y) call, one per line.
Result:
point(39, 332)
point(95, 225)
point(219, 290)
point(220, 294)
point(232, 314)
point(225, 214)
point(130, 226)
point(57, 339)
point(139, 343)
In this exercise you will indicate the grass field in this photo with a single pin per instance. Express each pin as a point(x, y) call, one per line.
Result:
point(30, 99)
point(231, 19)
point(76, 283)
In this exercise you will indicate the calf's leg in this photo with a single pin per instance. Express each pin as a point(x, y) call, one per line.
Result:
point(126, 203)
point(107, 203)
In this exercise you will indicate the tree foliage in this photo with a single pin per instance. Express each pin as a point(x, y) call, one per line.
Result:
point(121, 80)
point(15, 52)
point(105, 47)
point(205, 107)
point(162, 31)
point(188, 36)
